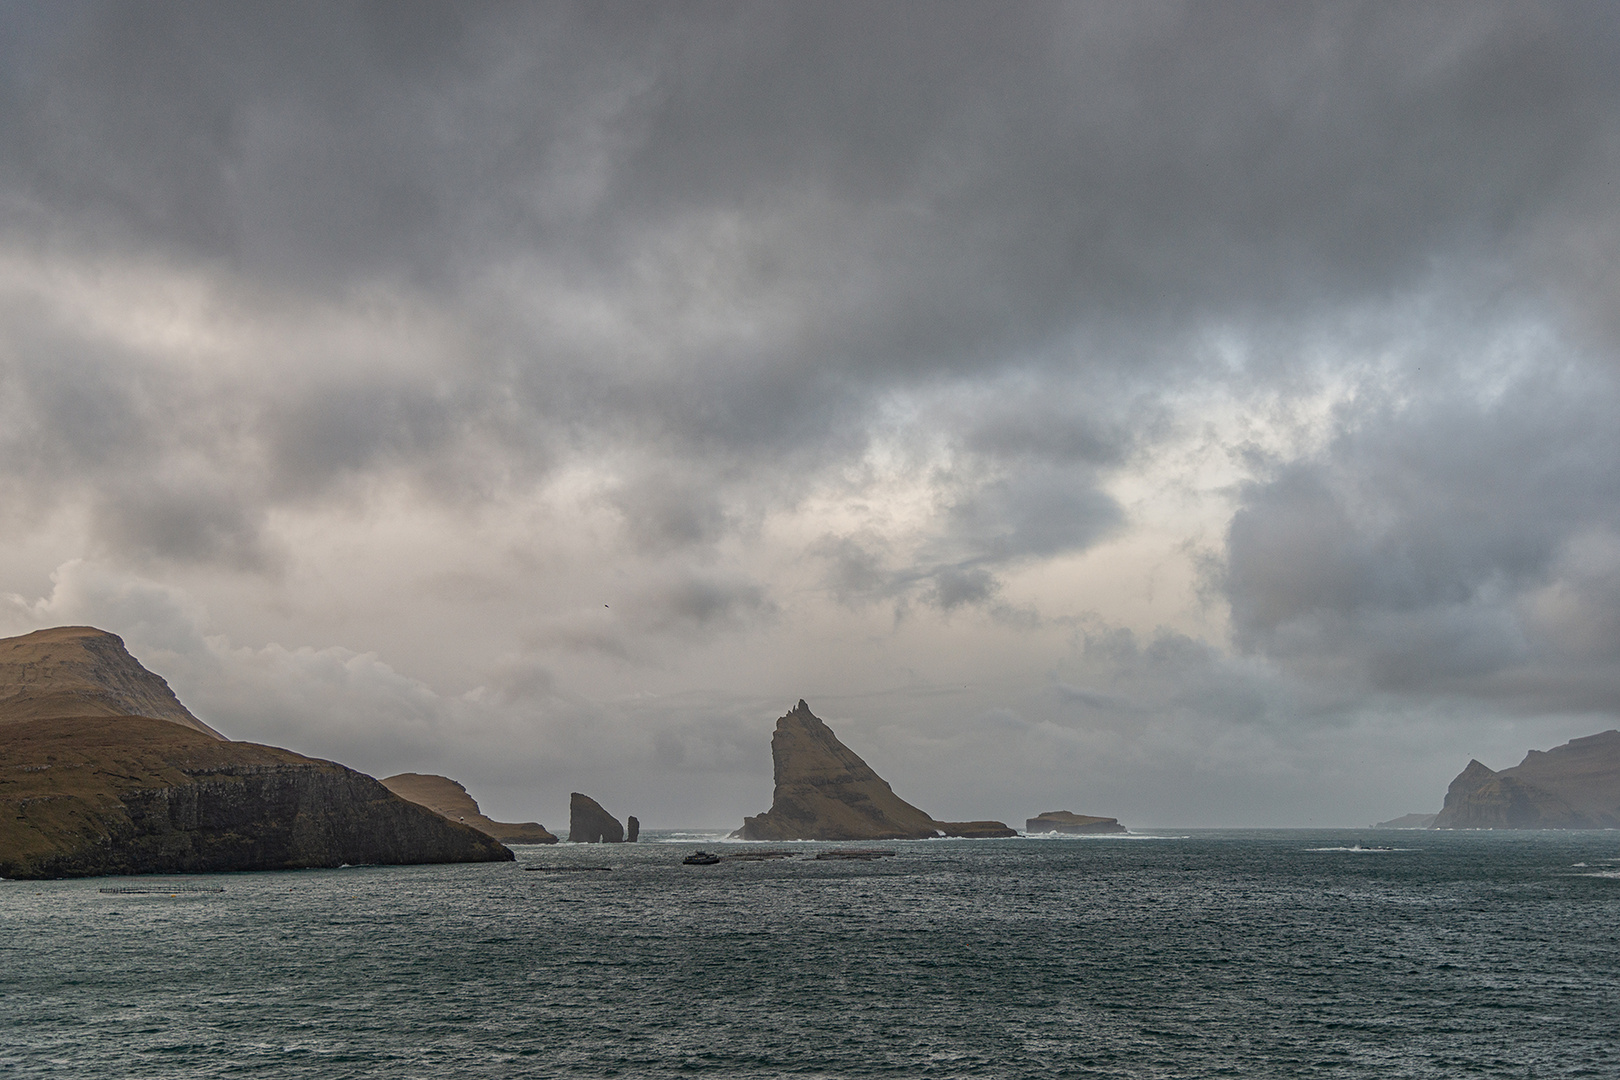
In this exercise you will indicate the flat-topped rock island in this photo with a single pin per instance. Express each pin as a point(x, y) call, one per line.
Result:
point(1066, 821)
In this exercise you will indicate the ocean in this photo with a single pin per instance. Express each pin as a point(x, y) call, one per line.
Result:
point(1279, 953)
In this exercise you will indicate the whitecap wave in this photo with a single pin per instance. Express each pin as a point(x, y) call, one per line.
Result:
point(1359, 850)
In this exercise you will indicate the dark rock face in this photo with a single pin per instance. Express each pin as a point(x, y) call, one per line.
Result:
point(632, 829)
point(588, 823)
point(976, 830)
point(449, 799)
point(1574, 786)
point(103, 771)
point(82, 671)
point(825, 792)
point(1065, 821)
point(82, 796)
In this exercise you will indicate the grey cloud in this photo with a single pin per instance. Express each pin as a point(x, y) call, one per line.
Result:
point(73, 410)
point(1412, 552)
point(517, 679)
point(918, 199)
point(1050, 421)
point(1032, 514)
point(855, 573)
point(1172, 676)
point(1017, 170)
point(188, 524)
point(709, 263)
point(1092, 698)
point(953, 587)
point(708, 603)
point(673, 604)
point(333, 430)
point(664, 511)
point(1036, 512)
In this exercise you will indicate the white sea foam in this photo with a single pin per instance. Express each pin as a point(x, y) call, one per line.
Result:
point(1359, 850)
point(1065, 837)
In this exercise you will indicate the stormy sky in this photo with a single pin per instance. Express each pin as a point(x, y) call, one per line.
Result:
point(1201, 414)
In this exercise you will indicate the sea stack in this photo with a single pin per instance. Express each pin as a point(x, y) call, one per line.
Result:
point(103, 771)
point(1573, 786)
point(632, 829)
point(450, 800)
point(824, 791)
point(588, 823)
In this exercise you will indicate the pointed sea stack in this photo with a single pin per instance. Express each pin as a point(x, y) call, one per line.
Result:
point(588, 823)
point(825, 792)
point(1574, 786)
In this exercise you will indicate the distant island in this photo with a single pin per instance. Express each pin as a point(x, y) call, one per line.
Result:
point(824, 791)
point(1064, 821)
point(1408, 821)
point(1573, 786)
point(104, 771)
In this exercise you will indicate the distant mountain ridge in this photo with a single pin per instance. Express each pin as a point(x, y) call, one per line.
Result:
point(1573, 786)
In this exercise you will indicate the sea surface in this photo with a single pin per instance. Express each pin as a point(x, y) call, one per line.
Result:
point(1285, 953)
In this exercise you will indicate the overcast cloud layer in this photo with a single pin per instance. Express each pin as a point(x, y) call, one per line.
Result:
point(1202, 414)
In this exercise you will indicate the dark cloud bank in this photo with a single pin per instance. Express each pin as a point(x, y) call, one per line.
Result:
point(710, 267)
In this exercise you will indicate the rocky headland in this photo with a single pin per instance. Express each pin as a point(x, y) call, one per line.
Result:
point(449, 799)
point(1574, 786)
point(976, 830)
point(104, 771)
point(824, 791)
point(1407, 821)
point(1066, 821)
point(588, 823)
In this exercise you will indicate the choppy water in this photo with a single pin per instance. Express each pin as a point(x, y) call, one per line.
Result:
point(1252, 954)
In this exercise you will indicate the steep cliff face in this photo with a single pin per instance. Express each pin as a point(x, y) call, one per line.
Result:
point(82, 671)
point(825, 792)
point(128, 795)
point(449, 799)
point(588, 823)
point(1574, 786)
